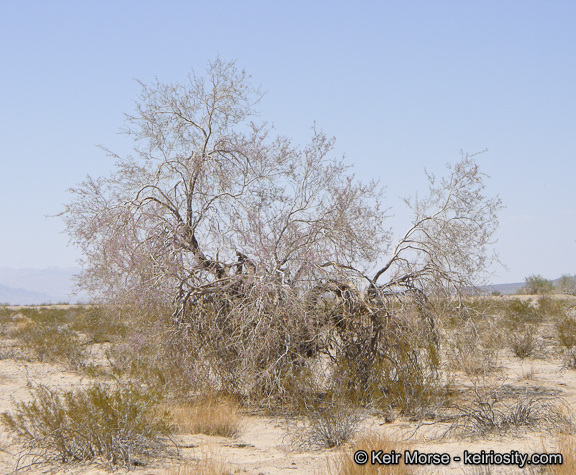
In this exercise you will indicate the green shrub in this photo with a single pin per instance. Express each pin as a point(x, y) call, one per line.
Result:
point(521, 312)
point(54, 343)
point(552, 307)
point(536, 284)
point(99, 324)
point(109, 425)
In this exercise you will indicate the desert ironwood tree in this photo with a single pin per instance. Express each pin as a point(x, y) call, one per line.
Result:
point(269, 254)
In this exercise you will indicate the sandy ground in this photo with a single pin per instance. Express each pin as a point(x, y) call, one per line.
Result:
point(262, 447)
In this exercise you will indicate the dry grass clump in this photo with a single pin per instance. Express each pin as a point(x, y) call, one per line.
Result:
point(565, 445)
point(527, 374)
point(102, 424)
point(344, 464)
point(209, 463)
point(210, 415)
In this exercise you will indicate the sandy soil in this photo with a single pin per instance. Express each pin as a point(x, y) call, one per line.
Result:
point(262, 447)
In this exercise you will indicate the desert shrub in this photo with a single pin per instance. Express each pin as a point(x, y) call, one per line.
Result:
point(567, 284)
point(343, 463)
point(523, 341)
point(49, 341)
point(473, 346)
point(482, 306)
point(536, 285)
point(487, 413)
point(569, 358)
point(210, 415)
point(398, 371)
point(6, 315)
point(99, 324)
point(551, 307)
point(521, 312)
point(147, 352)
point(566, 332)
point(326, 421)
point(61, 334)
point(108, 425)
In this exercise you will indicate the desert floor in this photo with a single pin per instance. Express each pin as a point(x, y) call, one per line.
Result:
point(263, 447)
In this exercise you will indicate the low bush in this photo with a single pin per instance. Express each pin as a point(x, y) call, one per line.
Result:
point(326, 421)
point(537, 285)
point(569, 359)
point(521, 312)
point(567, 284)
point(551, 307)
point(51, 342)
point(487, 414)
point(107, 425)
point(474, 349)
point(566, 332)
point(523, 341)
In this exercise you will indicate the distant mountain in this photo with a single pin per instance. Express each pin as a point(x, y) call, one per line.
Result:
point(504, 289)
point(10, 296)
point(36, 286)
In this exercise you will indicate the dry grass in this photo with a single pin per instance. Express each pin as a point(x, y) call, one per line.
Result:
point(527, 374)
point(210, 415)
point(565, 445)
point(210, 463)
point(343, 463)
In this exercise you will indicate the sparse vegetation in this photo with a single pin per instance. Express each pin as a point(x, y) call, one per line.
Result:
point(537, 285)
point(523, 341)
point(325, 424)
point(489, 413)
point(520, 313)
point(567, 284)
point(566, 331)
point(569, 358)
point(107, 425)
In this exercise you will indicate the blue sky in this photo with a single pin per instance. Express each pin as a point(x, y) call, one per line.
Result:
point(403, 86)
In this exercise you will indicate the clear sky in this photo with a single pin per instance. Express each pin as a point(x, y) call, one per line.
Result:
point(402, 86)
